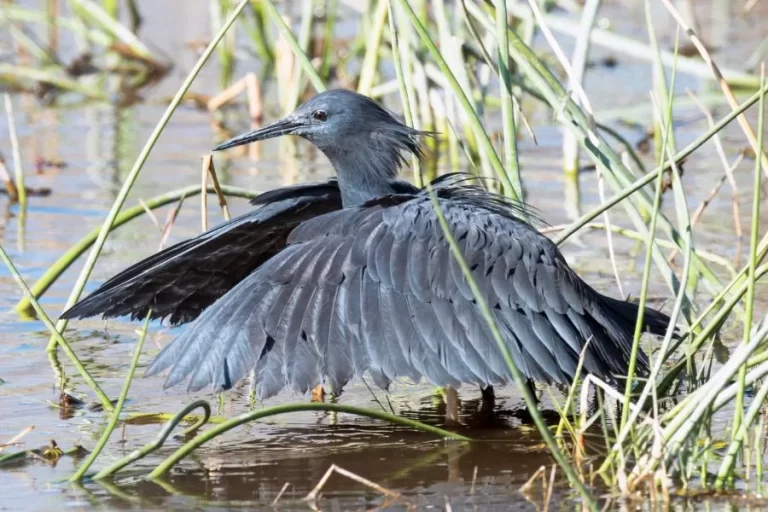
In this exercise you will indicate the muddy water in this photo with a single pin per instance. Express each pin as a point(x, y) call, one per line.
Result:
point(249, 466)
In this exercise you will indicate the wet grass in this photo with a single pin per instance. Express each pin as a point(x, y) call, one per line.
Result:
point(449, 60)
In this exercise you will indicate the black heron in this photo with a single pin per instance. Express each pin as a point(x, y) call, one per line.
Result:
point(325, 281)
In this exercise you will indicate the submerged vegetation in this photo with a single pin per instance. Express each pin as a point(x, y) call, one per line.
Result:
point(467, 69)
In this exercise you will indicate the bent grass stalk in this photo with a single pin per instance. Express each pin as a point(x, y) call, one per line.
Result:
point(530, 400)
point(162, 436)
point(203, 438)
point(137, 166)
point(115, 416)
point(54, 271)
point(103, 398)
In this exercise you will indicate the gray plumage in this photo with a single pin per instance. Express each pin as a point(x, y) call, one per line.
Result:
point(328, 281)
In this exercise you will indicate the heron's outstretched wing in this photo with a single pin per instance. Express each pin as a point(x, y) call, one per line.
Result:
point(181, 281)
point(377, 288)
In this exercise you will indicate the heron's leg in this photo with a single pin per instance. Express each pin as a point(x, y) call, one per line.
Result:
point(488, 398)
point(488, 394)
point(318, 393)
point(451, 406)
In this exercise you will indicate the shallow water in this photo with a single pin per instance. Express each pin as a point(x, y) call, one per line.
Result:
point(249, 466)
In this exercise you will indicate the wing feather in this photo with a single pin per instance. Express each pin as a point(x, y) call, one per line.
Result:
point(184, 279)
point(376, 288)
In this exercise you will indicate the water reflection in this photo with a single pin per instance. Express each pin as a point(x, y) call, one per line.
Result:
point(423, 469)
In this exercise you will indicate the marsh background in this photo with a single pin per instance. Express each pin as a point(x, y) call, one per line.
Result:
point(78, 152)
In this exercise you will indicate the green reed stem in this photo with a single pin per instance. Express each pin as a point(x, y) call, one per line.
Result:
point(685, 221)
point(226, 49)
point(331, 8)
point(603, 155)
point(203, 438)
point(660, 80)
point(115, 416)
point(679, 426)
point(566, 410)
point(137, 166)
point(759, 461)
point(162, 436)
point(17, 166)
point(666, 146)
point(301, 57)
point(54, 271)
point(511, 163)
point(757, 371)
point(470, 112)
point(517, 375)
point(754, 238)
point(570, 142)
point(643, 297)
point(713, 326)
point(405, 82)
point(111, 26)
point(634, 235)
point(371, 58)
point(652, 175)
point(12, 73)
point(726, 467)
point(305, 34)
point(103, 398)
point(258, 33)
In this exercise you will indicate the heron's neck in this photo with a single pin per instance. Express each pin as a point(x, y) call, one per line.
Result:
point(364, 175)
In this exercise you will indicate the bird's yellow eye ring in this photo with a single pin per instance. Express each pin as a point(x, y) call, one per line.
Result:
point(319, 115)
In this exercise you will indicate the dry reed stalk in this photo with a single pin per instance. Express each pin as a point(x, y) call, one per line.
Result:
point(742, 119)
point(15, 439)
point(312, 496)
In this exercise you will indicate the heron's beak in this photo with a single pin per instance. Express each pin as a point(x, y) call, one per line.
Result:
point(283, 127)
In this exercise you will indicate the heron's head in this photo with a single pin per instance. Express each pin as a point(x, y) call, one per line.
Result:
point(341, 124)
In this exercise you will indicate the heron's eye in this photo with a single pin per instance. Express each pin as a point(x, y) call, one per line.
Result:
point(319, 115)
